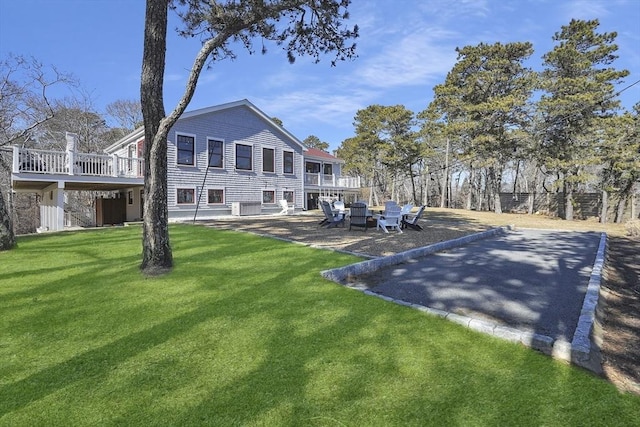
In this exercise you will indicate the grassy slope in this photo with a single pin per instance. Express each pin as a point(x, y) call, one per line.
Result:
point(246, 332)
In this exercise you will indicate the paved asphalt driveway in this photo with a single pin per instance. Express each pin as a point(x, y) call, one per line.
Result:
point(533, 280)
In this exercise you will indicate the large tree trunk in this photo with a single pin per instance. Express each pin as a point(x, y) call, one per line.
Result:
point(414, 193)
point(445, 183)
point(624, 196)
point(469, 201)
point(621, 205)
point(495, 183)
point(7, 237)
point(568, 202)
point(605, 207)
point(532, 190)
point(156, 250)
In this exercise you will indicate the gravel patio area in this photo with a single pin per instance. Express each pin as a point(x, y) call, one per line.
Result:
point(305, 228)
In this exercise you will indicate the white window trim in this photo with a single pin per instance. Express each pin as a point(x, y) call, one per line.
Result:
point(132, 149)
point(275, 195)
point(224, 195)
point(275, 154)
point(195, 196)
point(224, 155)
point(195, 150)
point(293, 162)
point(235, 154)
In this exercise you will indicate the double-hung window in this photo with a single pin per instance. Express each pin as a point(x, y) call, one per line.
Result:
point(268, 160)
point(244, 157)
point(287, 162)
point(216, 153)
point(288, 196)
point(186, 149)
point(215, 196)
point(268, 196)
point(185, 196)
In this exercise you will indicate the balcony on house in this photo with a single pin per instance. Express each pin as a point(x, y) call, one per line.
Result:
point(47, 162)
point(330, 181)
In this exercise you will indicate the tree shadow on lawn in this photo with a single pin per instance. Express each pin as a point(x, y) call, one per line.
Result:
point(98, 362)
point(314, 350)
point(64, 302)
point(364, 368)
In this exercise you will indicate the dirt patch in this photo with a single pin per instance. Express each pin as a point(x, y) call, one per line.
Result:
point(621, 313)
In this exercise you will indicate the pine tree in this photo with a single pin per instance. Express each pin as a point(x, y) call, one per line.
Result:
point(579, 89)
point(484, 103)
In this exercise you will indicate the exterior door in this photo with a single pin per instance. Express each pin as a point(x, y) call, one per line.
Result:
point(312, 201)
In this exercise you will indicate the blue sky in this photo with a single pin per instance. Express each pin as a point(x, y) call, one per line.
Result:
point(406, 47)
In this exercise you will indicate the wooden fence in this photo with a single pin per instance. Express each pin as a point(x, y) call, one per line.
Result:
point(586, 205)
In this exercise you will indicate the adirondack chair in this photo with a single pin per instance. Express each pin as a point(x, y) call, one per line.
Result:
point(358, 215)
point(406, 210)
point(338, 205)
point(390, 219)
point(286, 209)
point(390, 204)
point(330, 219)
point(411, 220)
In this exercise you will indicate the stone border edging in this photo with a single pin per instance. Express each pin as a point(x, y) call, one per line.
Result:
point(341, 274)
point(583, 352)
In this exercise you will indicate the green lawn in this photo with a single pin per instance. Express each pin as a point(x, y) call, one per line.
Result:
point(245, 331)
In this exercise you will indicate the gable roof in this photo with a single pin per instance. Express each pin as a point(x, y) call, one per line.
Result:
point(321, 155)
point(127, 139)
point(138, 133)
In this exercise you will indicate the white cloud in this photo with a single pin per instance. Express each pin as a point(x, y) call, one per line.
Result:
point(416, 58)
point(585, 9)
point(454, 10)
point(300, 107)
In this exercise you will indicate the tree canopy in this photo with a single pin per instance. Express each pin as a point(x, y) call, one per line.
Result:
point(313, 141)
point(496, 125)
point(25, 104)
point(385, 146)
point(578, 84)
point(484, 104)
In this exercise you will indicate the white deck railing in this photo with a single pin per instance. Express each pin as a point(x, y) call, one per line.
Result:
point(75, 219)
point(27, 160)
point(322, 180)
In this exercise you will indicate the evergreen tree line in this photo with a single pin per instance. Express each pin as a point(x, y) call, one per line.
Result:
point(495, 125)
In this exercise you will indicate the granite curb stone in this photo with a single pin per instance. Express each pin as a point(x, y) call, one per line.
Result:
point(340, 275)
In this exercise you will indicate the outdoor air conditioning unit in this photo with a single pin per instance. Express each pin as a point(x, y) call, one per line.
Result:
point(246, 208)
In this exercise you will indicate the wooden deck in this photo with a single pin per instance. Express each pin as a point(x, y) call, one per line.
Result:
point(34, 170)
